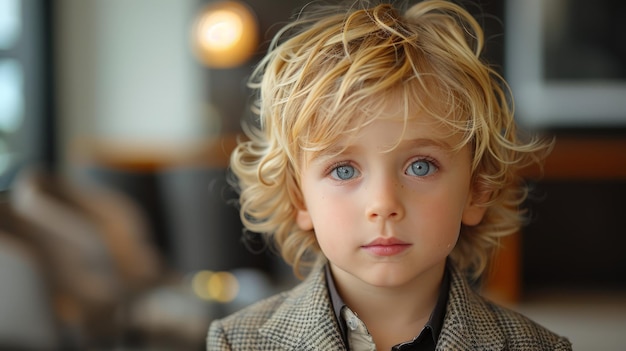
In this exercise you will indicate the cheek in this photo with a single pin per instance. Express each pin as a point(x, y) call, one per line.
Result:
point(333, 220)
point(332, 217)
point(440, 219)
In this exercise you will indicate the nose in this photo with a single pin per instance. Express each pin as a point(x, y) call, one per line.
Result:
point(384, 200)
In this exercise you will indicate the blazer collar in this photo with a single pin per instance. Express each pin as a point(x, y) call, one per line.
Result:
point(305, 321)
point(469, 323)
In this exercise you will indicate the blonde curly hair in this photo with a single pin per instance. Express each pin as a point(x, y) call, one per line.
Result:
point(333, 61)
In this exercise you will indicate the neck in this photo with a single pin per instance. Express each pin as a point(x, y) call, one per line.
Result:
point(395, 313)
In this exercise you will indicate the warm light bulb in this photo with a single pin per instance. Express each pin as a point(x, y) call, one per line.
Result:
point(220, 30)
point(225, 34)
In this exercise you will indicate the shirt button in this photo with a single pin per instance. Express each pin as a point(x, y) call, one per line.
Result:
point(353, 323)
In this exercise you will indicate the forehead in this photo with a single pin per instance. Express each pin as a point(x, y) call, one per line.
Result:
point(330, 127)
point(391, 125)
point(405, 106)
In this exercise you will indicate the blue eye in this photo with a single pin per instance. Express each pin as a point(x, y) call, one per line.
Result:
point(344, 172)
point(421, 168)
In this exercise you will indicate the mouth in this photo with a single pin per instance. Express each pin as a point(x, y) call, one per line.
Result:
point(386, 246)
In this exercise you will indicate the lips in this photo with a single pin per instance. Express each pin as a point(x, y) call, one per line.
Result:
point(386, 246)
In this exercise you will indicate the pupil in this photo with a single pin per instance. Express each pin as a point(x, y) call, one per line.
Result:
point(345, 172)
point(420, 168)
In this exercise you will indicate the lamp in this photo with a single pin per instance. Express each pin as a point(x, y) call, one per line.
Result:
point(225, 34)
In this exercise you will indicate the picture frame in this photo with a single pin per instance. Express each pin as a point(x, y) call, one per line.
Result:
point(564, 64)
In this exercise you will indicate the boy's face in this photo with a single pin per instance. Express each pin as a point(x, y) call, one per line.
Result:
point(389, 217)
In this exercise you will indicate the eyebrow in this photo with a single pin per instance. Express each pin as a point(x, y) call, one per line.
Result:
point(427, 142)
point(329, 152)
point(335, 150)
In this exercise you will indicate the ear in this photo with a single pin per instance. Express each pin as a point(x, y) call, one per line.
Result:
point(476, 206)
point(303, 219)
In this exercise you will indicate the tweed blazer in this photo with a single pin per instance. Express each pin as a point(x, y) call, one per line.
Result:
point(303, 319)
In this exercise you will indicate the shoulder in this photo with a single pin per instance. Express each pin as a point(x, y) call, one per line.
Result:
point(522, 333)
point(287, 318)
point(242, 327)
point(256, 314)
point(473, 322)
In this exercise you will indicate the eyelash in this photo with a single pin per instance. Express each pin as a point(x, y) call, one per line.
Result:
point(334, 166)
point(428, 159)
point(431, 161)
point(329, 170)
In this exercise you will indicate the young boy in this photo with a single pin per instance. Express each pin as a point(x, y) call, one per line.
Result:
point(386, 158)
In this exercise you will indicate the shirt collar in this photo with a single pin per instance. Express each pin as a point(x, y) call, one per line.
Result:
point(337, 302)
point(435, 322)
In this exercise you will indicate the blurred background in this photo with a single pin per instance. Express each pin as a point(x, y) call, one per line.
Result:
point(118, 229)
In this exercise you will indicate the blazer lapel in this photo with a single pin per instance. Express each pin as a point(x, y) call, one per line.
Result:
point(469, 323)
point(305, 320)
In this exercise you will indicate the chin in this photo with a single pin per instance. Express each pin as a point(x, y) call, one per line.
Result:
point(387, 279)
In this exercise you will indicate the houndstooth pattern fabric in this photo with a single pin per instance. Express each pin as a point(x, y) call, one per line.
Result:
point(303, 319)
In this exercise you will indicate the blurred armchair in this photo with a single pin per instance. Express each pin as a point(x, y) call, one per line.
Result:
point(101, 266)
point(28, 321)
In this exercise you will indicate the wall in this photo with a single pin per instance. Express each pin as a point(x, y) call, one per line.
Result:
point(126, 75)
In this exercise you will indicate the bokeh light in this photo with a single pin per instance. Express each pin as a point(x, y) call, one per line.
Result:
point(225, 34)
point(221, 287)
